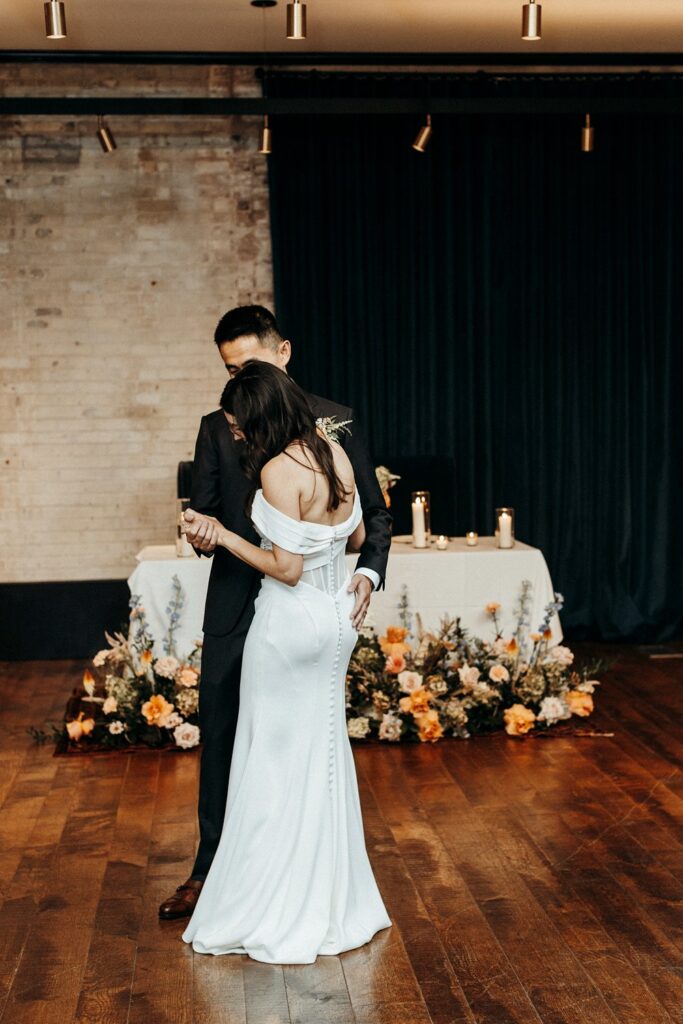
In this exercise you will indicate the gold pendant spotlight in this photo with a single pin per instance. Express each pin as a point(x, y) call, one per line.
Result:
point(55, 19)
point(587, 136)
point(296, 20)
point(423, 136)
point(266, 141)
point(105, 136)
point(531, 21)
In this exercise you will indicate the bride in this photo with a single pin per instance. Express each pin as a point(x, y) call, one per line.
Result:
point(291, 877)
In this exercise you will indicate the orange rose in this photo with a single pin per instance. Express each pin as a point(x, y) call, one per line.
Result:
point(429, 728)
point(579, 703)
point(395, 663)
point(417, 702)
point(394, 641)
point(80, 727)
point(518, 720)
point(156, 709)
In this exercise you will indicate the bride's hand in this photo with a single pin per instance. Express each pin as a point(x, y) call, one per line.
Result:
point(203, 532)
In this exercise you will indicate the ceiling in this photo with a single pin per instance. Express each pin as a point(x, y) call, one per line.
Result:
point(374, 26)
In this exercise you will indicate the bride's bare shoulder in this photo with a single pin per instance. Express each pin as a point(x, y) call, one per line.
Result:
point(282, 487)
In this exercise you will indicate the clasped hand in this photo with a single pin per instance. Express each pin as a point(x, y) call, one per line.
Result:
point(203, 532)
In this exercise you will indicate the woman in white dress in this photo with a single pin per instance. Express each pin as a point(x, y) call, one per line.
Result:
point(291, 877)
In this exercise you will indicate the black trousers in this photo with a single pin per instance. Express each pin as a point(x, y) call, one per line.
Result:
point(219, 696)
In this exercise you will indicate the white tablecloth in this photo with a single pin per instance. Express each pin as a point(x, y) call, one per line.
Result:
point(458, 581)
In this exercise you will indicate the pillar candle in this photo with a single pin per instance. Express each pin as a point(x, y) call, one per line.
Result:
point(419, 533)
point(505, 530)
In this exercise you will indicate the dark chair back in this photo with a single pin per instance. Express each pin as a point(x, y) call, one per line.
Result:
point(433, 473)
point(184, 484)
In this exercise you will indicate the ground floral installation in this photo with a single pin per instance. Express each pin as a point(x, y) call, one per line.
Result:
point(450, 683)
point(129, 698)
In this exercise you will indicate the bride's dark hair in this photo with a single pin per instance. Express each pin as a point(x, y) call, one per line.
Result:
point(273, 412)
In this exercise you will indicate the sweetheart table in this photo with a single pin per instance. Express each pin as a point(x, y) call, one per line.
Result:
point(458, 581)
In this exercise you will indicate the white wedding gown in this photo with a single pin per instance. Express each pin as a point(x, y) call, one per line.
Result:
point(291, 877)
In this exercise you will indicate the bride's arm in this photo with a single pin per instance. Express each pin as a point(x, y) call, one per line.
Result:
point(356, 539)
point(279, 563)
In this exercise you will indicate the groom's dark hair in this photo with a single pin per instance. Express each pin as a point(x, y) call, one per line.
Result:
point(248, 320)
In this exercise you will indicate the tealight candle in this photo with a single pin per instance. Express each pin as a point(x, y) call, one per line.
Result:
point(441, 542)
point(471, 539)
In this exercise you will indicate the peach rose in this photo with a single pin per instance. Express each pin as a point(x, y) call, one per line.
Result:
point(395, 663)
point(499, 674)
point(417, 702)
point(187, 676)
point(579, 703)
point(518, 720)
point(429, 728)
point(156, 710)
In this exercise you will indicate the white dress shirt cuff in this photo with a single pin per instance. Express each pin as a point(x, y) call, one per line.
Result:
point(371, 575)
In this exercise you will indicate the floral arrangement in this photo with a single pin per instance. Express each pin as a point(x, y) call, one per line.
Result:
point(130, 698)
point(386, 480)
point(449, 683)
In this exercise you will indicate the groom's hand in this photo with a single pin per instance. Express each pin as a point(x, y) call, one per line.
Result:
point(201, 531)
point(362, 587)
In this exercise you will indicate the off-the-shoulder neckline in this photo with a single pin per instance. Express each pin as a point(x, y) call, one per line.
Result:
point(308, 522)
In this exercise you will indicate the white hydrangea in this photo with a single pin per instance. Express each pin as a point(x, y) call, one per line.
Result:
point(166, 667)
point(358, 728)
point(553, 709)
point(562, 655)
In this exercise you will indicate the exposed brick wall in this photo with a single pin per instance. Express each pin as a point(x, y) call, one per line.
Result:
point(114, 270)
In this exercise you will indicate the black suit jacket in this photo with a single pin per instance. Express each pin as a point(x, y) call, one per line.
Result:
point(219, 488)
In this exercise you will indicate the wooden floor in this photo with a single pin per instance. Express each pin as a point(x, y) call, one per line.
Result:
point(533, 880)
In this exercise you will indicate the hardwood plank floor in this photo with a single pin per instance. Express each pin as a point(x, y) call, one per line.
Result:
point(535, 881)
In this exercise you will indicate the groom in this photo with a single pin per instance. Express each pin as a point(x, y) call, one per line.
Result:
point(243, 335)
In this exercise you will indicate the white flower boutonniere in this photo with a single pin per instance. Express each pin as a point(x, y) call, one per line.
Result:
point(333, 428)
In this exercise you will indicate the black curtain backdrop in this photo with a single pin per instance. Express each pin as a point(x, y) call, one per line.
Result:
point(511, 302)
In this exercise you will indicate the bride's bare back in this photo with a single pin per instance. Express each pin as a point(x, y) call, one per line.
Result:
point(295, 483)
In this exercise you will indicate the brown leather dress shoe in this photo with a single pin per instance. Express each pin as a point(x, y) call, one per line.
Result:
point(183, 902)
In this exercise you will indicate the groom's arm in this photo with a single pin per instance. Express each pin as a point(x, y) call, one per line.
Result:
point(206, 494)
point(375, 550)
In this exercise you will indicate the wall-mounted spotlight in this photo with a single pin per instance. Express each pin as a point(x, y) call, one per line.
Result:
point(531, 20)
point(587, 136)
point(55, 19)
point(423, 136)
point(106, 137)
point(266, 139)
point(296, 20)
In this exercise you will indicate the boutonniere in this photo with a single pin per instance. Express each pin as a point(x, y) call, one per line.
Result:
point(333, 428)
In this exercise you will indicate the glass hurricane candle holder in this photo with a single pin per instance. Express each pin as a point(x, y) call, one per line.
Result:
point(505, 527)
point(183, 548)
point(471, 539)
point(421, 525)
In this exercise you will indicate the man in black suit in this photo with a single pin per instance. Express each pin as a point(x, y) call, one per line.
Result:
point(219, 488)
